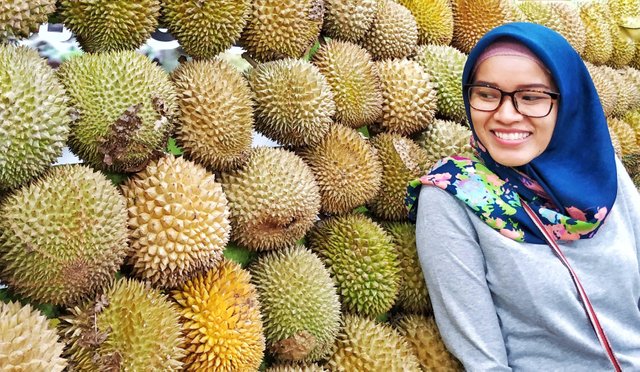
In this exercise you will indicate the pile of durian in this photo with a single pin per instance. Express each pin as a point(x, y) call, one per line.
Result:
point(177, 245)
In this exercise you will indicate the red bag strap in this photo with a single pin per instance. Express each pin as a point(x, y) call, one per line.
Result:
point(602, 337)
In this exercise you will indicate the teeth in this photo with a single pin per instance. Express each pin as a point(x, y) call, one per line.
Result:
point(512, 136)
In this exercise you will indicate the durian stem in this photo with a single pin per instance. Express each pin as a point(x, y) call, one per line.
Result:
point(248, 58)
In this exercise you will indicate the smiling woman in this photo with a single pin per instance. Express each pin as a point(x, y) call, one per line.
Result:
point(543, 172)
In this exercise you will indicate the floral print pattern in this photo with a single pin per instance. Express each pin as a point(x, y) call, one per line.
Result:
point(496, 203)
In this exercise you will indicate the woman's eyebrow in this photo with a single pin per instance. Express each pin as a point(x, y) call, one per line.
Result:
point(520, 86)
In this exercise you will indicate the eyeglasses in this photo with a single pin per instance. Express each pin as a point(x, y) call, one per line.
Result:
point(528, 102)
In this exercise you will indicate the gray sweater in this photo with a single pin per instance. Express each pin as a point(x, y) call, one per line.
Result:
point(501, 305)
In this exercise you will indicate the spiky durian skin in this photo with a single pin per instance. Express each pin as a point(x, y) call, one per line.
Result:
point(624, 47)
point(178, 221)
point(632, 165)
point(444, 138)
point(409, 98)
point(295, 368)
point(631, 78)
point(559, 16)
point(122, 105)
point(130, 326)
point(216, 27)
point(274, 199)
point(633, 119)
point(393, 32)
point(105, 25)
point(340, 158)
point(353, 80)
point(282, 28)
point(348, 20)
point(362, 260)
point(68, 230)
point(299, 302)
point(221, 321)
point(605, 86)
point(473, 18)
point(20, 18)
point(434, 19)
point(215, 118)
point(34, 117)
point(402, 160)
point(364, 345)
point(599, 46)
point(422, 333)
point(27, 342)
point(412, 294)
point(445, 65)
point(294, 102)
point(624, 90)
point(615, 141)
point(627, 136)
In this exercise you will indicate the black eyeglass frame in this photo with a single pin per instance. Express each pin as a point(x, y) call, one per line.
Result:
point(554, 96)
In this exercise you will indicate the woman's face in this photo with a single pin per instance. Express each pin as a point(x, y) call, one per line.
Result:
point(511, 138)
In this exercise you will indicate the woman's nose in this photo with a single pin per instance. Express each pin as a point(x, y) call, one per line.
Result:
point(507, 112)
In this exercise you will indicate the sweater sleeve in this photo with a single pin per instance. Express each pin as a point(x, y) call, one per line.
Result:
point(454, 269)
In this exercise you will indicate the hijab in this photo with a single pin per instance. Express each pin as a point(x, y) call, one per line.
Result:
point(571, 185)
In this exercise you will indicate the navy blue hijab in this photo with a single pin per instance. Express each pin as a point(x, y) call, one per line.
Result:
point(572, 185)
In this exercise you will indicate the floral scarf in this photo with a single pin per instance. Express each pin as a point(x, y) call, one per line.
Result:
point(571, 186)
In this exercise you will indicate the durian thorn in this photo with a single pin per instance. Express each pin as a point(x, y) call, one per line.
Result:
point(248, 58)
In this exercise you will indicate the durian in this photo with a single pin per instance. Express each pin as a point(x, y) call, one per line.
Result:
point(215, 120)
point(348, 20)
point(627, 136)
point(624, 48)
point(445, 65)
point(122, 107)
point(422, 333)
point(206, 28)
point(409, 98)
point(353, 79)
point(364, 345)
point(346, 169)
point(444, 138)
point(295, 368)
point(605, 86)
point(474, 18)
point(561, 17)
point(282, 28)
point(434, 19)
point(402, 160)
point(34, 117)
point(599, 46)
point(393, 32)
point(294, 103)
point(27, 341)
point(178, 221)
point(412, 295)
point(362, 260)
point(633, 119)
point(221, 321)
point(274, 199)
point(299, 303)
point(130, 327)
point(631, 78)
point(19, 18)
point(68, 229)
point(106, 25)
point(625, 90)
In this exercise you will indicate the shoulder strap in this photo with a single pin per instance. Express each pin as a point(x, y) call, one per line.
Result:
point(602, 337)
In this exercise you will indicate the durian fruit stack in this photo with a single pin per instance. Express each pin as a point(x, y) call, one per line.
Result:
point(176, 245)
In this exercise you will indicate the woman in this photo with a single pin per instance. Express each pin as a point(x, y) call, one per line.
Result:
point(501, 297)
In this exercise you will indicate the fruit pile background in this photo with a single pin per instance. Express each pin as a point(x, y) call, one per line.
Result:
point(176, 244)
